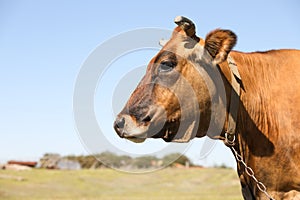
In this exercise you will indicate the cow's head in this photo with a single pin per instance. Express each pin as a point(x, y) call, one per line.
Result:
point(174, 100)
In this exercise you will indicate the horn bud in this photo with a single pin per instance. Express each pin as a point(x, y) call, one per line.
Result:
point(186, 24)
point(163, 42)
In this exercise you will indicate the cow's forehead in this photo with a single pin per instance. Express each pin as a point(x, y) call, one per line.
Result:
point(184, 49)
point(182, 45)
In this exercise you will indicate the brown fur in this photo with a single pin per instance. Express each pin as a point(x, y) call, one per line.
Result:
point(269, 118)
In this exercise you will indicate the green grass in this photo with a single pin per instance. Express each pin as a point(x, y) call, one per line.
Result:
point(166, 184)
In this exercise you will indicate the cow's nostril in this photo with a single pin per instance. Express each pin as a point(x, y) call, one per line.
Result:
point(146, 119)
point(120, 122)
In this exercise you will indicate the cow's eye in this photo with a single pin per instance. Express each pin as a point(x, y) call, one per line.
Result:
point(166, 66)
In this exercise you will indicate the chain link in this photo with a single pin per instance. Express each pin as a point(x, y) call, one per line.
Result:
point(250, 173)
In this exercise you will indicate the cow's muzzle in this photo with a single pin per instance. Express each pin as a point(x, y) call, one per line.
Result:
point(125, 127)
point(137, 130)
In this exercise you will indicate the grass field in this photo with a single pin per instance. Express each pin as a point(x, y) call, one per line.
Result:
point(166, 184)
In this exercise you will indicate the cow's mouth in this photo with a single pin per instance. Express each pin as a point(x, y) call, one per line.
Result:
point(136, 139)
point(134, 134)
point(127, 128)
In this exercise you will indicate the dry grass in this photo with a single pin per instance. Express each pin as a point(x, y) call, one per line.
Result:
point(166, 184)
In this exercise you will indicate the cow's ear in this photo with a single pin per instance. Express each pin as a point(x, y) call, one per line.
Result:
point(219, 43)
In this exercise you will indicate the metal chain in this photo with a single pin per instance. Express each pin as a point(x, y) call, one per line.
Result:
point(250, 173)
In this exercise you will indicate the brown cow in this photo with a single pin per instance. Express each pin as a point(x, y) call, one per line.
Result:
point(189, 69)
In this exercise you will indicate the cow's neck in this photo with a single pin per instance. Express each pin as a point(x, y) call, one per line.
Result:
point(255, 111)
point(254, 114)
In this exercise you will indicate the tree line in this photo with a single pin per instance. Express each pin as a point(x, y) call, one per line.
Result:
point(109, 159)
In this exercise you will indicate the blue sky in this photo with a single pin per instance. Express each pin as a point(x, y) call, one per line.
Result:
point(44, 43)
